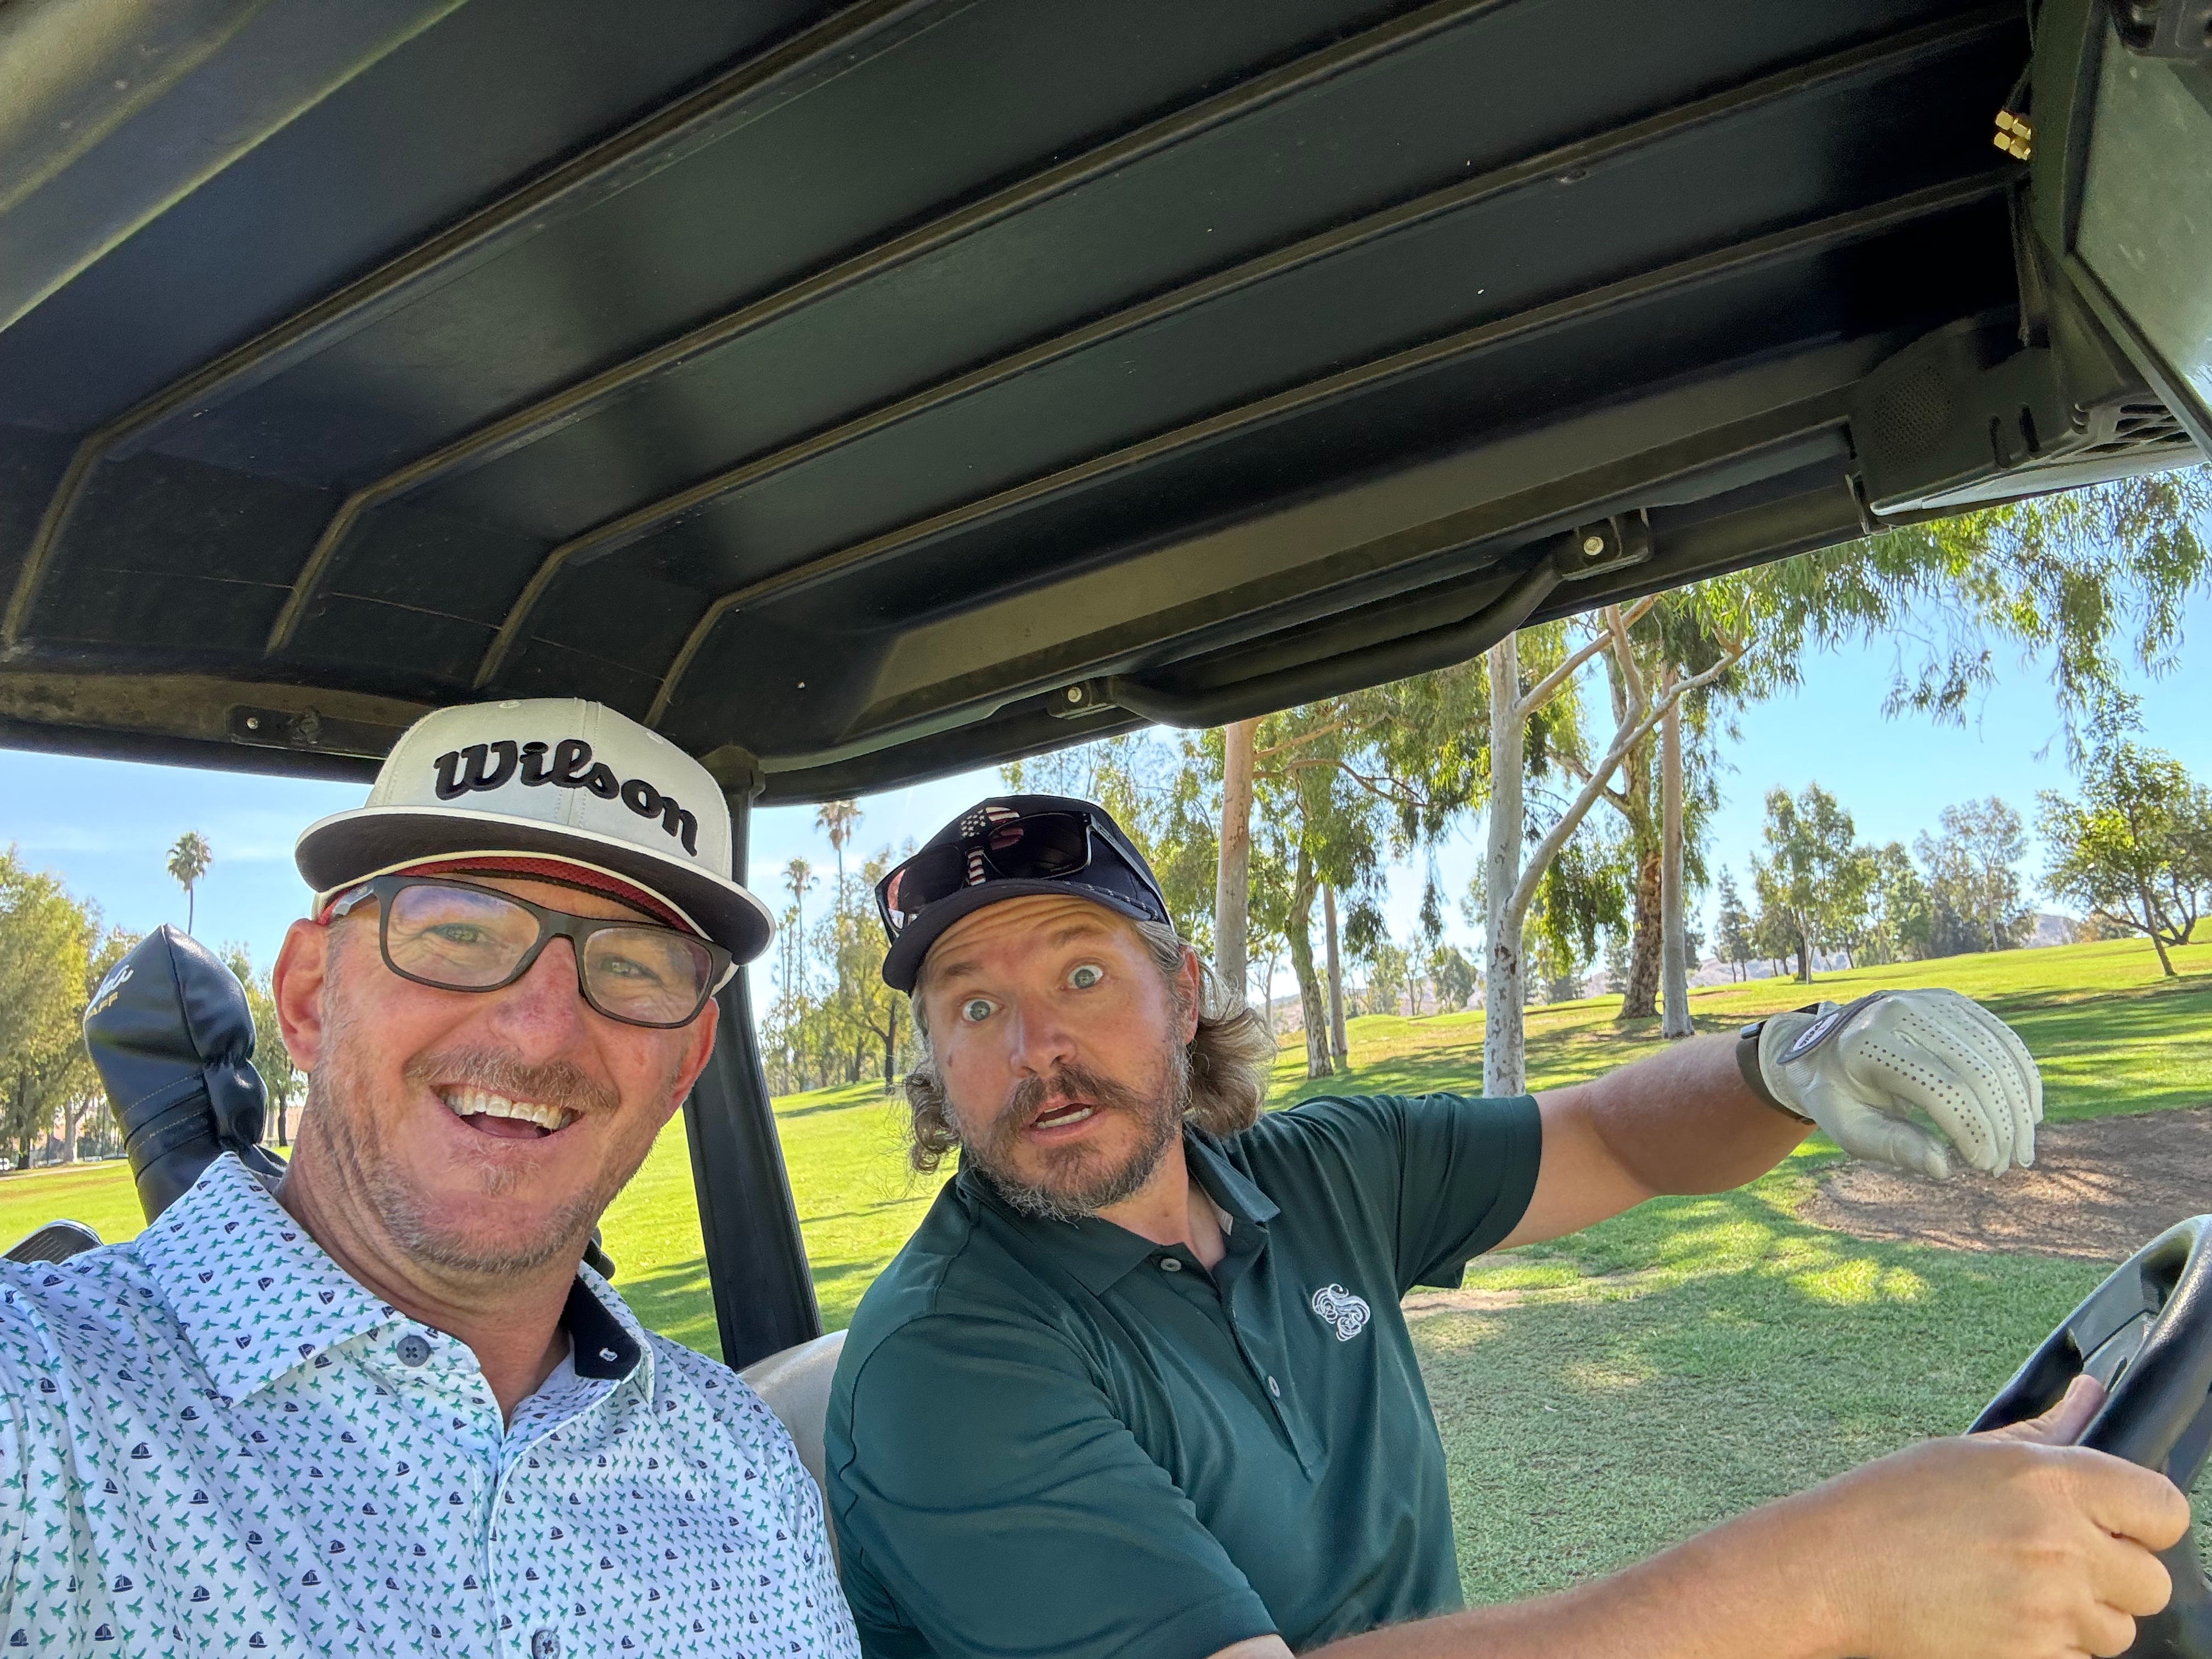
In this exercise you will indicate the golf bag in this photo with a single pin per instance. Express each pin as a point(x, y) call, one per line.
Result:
point(172, 1036)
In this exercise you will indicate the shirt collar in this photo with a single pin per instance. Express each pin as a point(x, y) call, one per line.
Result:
point(1226, 1184)
point(605, 1339)
point(1097, 1252)
point(257, 1298)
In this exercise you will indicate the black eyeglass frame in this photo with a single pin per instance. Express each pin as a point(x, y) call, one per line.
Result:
point(1095, 832)
point(551, 925)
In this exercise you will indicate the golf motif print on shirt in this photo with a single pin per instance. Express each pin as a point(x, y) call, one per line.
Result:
point(238, 1450)
point(1339, 1307)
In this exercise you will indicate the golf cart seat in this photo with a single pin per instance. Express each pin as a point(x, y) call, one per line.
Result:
point(794, 1384)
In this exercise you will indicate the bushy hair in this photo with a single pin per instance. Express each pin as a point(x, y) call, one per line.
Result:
point(1231, 1056)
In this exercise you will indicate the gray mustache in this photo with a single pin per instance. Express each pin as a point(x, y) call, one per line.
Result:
point(554, 1082)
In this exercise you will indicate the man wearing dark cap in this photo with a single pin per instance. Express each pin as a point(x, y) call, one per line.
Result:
point(1140, 1385)
point(383, 1408)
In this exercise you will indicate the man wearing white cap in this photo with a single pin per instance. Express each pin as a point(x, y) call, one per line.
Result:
point(385, 1409)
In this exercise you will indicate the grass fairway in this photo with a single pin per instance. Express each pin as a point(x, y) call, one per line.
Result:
point(1610, 1394)
point(1604, 1395)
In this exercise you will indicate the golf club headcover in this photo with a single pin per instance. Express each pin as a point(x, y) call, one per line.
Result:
point(172, 1038)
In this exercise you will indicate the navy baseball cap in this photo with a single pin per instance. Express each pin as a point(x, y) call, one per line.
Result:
point(1005, 848)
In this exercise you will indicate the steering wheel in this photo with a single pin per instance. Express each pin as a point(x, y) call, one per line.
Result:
point(2146, 1334)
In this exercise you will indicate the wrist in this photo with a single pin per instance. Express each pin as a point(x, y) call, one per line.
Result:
point(1813, 1543)
point(1755, 1044)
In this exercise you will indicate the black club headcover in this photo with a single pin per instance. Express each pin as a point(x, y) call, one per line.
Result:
point(172, 1038)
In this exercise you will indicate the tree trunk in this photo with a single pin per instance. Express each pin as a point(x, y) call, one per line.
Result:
point(1674, 926)
point(890, 1049)
point(1233, 880)
point(2150, 924)
point(284, 1119)
point(1504, 992)
point(1640, 996)
point(1338, 1045)
point(1311, 1000)
point(1804, 958)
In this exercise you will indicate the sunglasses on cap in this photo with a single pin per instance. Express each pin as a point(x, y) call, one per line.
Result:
point(457, 936)
point(1056, 845)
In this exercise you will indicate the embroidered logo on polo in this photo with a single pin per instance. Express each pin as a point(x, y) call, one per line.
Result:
point(346, 1502)
point(565, 765)
point(1340, 1307)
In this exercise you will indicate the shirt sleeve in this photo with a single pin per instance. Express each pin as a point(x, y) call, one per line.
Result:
point(817, 1569)
point(1469, 1169)
point(990, 1503)
point(1441, 1178)
point(14, 1504)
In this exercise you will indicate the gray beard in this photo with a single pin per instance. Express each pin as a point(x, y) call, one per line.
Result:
point(1082, 1192)
point(417, 1228)
point(362, 1167)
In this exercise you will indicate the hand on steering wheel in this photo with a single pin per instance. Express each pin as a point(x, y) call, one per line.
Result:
point(2062, 1424)
point(1859, 1072)
point(2129, 1373)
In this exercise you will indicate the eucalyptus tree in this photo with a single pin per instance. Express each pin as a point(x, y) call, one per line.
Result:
point(1973, 885)
point(45, 943)
point(2135, 851)
point(280, 1078)
point(1732, 927)
point(2092, 583)
point(1518, 854)
point(1815, 878)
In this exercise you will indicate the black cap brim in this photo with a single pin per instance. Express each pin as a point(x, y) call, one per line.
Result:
point(903, 963)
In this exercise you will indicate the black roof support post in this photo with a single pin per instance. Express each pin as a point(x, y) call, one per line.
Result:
point(755, 1260)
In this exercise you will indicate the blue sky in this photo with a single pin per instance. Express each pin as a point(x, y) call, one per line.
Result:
point(105, 826)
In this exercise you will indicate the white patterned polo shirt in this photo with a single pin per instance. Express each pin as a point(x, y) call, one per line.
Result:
point(212, 1441)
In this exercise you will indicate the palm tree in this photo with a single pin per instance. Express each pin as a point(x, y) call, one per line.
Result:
point(188, 861)
point(838, 820)
point(799, 876)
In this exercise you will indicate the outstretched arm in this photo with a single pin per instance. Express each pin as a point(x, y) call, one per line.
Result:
point(1682, 1121)
point(1687, 1121)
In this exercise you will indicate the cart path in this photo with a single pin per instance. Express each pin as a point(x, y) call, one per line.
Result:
point(2098, 1191)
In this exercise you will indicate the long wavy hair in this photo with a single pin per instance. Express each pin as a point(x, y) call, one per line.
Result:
point(1231, 1056)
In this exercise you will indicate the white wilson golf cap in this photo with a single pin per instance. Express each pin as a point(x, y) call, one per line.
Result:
point(546, 777)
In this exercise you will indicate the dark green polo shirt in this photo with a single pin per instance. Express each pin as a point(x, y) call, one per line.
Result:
point(1059, 1438)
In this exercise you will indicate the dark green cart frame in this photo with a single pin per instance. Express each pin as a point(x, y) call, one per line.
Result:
point(860, 394)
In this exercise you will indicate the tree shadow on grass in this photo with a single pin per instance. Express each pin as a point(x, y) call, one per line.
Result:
point(1646, 1380)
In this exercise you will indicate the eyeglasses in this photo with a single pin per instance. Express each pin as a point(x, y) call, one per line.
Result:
point(455, 936)
point(1055, 845)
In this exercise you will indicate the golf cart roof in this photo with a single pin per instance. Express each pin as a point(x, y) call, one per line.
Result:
point(860, 394)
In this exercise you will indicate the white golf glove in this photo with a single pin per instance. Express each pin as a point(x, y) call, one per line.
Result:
point(1860, 1069)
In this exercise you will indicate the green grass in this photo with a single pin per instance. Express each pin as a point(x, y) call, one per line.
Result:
point(1661, 1372)
point(1604, 1395)
point(2109, 1032)
point(99, 1196)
